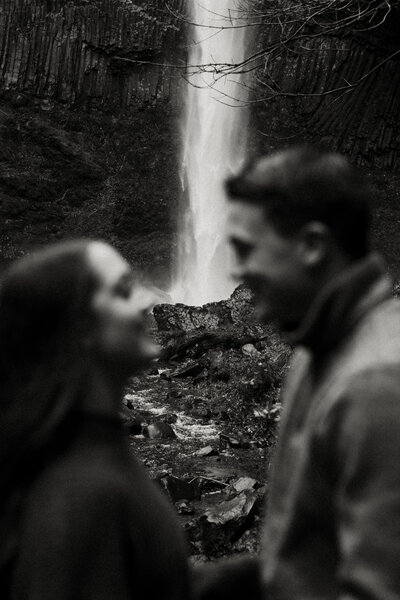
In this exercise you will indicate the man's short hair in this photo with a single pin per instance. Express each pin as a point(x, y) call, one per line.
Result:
point(302, 184)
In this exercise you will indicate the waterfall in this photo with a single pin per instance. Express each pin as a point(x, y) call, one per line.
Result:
point(214, 143)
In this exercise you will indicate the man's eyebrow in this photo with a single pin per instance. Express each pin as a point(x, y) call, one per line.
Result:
point(127, 275)
point(239, 242)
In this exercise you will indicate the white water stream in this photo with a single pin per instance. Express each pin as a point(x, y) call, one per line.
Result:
point(214, 143)
point(186, 428)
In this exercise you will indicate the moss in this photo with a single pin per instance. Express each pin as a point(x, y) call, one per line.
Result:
point(65, 174)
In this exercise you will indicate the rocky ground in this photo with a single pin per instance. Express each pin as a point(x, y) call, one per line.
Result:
point(204, 419)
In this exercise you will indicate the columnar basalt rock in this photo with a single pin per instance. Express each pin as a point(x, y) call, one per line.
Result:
point(76, 52)
point(342, 88)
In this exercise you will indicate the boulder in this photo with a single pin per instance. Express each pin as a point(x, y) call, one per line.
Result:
point(131, 422)
point(206, 451)
point(250, 350)
point(190, 370)
point(237, 310)
point(183, 507)
point(159, 431)
point(179, 488)
point(232, 441)
point(244, 483)
point(224, 523)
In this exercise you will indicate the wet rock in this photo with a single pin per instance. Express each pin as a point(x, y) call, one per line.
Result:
point(218, 368)
point(190, 370)
point(158, 431)
point(183, 507)
point(128, 403)
point(197, 407)
point(238, 309)
point(229, 441)
point(174, 392)
point(244, 483)
point(225, 522)
point(210, 486)
point(135, 427)
point(250, 350)
point(241, 305)
point(234, 509)
point(249, 542)
point(201, 411)
point(206, 451)
point(220, 414)
point(169, 418)
point(188, 318)
point(131, 422)
point(200, 377)
point(181, 489)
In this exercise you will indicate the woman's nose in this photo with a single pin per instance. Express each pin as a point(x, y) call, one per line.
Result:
point(238, 271)
point(146, 298)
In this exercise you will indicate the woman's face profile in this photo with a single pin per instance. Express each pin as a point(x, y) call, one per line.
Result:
point(120, 337)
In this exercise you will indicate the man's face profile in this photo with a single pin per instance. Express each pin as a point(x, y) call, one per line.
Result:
point(269, 263)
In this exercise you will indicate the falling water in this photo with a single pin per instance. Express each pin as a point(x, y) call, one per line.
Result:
point(214, 140)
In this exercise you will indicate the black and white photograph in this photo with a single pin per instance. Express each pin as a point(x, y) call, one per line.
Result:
point(200, 300)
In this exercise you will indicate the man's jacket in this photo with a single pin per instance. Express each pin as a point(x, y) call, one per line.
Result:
point(333, 519)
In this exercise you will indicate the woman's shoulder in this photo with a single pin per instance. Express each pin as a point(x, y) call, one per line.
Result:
point(70, 481)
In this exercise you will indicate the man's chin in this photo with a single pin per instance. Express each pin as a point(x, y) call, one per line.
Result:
point(265, 315)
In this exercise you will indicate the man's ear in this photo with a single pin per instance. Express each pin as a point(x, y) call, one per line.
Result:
point(316, 240)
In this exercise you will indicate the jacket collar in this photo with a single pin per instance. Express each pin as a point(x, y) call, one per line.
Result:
point(341, 303)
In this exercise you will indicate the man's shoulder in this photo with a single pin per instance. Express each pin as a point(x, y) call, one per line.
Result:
point(374, 343)
point(364, 375)
point(365, 364)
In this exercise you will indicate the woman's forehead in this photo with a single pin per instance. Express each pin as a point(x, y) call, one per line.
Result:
point(106, 262)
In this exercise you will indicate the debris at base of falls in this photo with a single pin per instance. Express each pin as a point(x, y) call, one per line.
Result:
point(216, 387)
point(219, 520)
point(159, 431)
point(206, 451)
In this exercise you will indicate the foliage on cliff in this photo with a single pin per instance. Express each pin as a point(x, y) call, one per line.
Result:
point(89, 108)
point(64, 173)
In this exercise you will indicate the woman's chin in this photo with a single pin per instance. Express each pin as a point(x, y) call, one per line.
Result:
point(152, 350)
point(149, 352)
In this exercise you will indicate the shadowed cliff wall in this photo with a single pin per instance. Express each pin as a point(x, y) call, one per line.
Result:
point(343, 88)
point(89, 142)
point(67, 51)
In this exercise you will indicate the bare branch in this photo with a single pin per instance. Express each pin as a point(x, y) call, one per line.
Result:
point(296, 24)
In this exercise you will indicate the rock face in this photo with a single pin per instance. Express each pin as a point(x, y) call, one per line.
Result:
point(78, 52)
point(89, 103)
point(83, 129)
point(341, 87)
point(66, 173)
point(235, 363)
point(237, 311)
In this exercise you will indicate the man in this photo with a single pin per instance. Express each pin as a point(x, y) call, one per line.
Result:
point(298, 223)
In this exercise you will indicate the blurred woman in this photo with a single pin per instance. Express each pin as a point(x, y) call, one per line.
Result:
point(79, 518)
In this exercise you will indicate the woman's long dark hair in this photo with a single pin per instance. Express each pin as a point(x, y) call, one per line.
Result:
point(44, 319)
